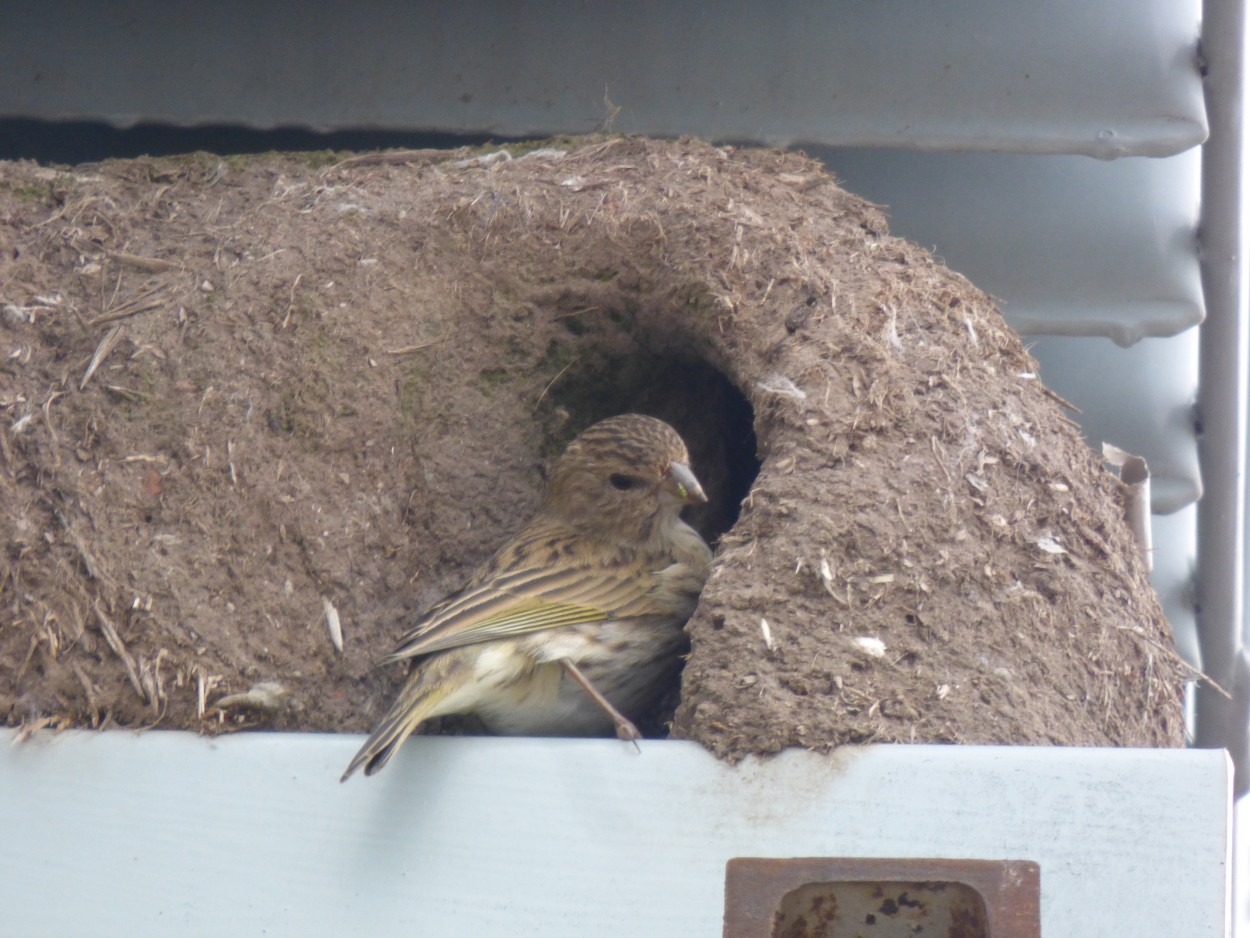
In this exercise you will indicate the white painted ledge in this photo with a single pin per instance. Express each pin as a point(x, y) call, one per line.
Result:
point(168, 833)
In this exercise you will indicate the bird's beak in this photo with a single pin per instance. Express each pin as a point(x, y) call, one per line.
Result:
point(680, 481)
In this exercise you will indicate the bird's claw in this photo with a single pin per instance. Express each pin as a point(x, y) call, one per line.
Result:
point(627, 732)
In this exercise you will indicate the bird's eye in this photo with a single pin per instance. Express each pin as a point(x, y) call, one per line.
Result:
point(623, 482)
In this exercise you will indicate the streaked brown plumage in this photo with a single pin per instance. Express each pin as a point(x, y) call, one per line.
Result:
point(593, 591)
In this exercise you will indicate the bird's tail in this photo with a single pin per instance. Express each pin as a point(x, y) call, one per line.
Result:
point(417, 702)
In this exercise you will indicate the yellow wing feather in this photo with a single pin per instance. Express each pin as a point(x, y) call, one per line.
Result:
point(513, 596)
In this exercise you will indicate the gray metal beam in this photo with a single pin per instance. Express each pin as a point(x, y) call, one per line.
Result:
point(1221, 721)
point(1107, 78)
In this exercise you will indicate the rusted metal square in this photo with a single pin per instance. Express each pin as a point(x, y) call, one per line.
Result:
point(841, 897)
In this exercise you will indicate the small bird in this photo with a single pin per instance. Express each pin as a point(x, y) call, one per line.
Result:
point(575, 624)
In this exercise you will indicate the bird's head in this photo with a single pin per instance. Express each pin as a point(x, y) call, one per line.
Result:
point(623, 479)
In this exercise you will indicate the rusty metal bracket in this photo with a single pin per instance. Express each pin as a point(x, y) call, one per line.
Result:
point(826, 897)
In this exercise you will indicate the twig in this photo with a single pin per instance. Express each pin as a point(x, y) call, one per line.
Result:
point(409, 349)
point(558, 376)
point(204, 684)
point(1059, 400)
point(290, 306)
point(92, 704)
point(101, 352)
point(1171, 653)
point(267, 695)
point(392, 157)
point(151, 265)
point(140, 304)
point(119, 649)
point(88, 561)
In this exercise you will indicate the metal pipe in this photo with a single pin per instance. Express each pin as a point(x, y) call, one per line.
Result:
point(1221, 722)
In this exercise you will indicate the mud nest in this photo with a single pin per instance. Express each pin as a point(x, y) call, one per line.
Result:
point(243, 396)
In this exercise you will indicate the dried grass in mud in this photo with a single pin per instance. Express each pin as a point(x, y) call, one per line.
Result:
point(248, 399)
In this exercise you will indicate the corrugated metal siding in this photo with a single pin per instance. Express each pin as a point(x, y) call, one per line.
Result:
point(1074, 246)
point(1108, 78)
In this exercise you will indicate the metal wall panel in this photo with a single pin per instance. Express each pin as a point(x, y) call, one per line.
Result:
point(1106, 78)
point(1073, 246)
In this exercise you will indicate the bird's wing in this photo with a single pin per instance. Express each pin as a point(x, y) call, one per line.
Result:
point(525, 598)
